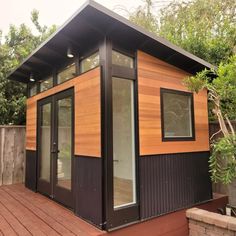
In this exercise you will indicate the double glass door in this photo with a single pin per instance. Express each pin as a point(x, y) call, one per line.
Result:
point(55, 147)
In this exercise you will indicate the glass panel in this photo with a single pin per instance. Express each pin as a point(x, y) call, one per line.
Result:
point(64, 142)
point(66, 74)
point(177, 115)
point(122, 60)
point(89, 62)
point(123, 142)
point(45, 142)
point(46, 84)
point(33, 90)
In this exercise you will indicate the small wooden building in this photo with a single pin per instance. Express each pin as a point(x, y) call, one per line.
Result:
point(112, 133)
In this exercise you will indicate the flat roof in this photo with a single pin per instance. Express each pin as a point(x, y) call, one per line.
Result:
point(89, 25)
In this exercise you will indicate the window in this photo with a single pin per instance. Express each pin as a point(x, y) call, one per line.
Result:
point(124, 180)
point(89, 62)
point(177, 115)
point(122, 60)
point(33, 90)
point(67, 73)
point(46, 84)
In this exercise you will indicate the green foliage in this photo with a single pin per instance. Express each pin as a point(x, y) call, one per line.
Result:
point(222, 94)
point(223, 85)
point(198, 82)
point(18, 44)
point(144, 17)
point(222, 160)
point(204, 28)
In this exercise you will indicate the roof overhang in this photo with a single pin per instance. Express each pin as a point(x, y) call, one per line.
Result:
point(88, 26)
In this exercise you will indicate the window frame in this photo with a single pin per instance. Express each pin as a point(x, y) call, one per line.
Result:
point(126, 55)
point(35, 84)
point(86, 56)
point(45, 79)
point(63, 68)
point(183, 93)
point(134, 133)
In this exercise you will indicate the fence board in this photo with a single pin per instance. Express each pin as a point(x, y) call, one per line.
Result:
point(8, 156)
point(12, 154)
point(19, 153)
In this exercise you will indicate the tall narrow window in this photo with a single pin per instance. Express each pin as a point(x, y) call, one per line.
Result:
point(64, 107)
point(89, 62)
point(124, 181)
point(33, 90)
point(45, 152)
point(177, 115)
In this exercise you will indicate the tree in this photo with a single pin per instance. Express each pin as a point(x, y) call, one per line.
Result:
point(143, 15)
point(222, 94)
point(18, 44)
point(204, 28)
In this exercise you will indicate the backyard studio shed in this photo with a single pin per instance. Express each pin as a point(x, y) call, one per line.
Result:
point(111, 131)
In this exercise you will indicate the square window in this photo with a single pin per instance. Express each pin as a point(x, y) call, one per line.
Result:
point(122, 60)
point(46, 84)
point(67, 73)
point(89, 62)
point(177, 114)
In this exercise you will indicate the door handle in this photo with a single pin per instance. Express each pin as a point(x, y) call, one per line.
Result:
point(55, 151)
point(54, 145)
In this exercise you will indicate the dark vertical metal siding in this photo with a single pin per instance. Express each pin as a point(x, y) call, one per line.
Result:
point(173, 181)
point(88, 189)
point(31, 170)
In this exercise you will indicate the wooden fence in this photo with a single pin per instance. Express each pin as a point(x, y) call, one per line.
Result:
point(12, 154)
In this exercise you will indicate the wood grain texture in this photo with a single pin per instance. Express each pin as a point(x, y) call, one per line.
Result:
point(23, 212)
point(87, 113)
point(12, 154)
point(154, 74)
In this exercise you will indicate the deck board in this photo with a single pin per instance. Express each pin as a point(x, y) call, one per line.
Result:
point(13, 221)
point(23, 212)
point(6, 229)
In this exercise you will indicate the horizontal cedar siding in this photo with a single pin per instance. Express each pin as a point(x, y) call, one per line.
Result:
point(87, 113)
point(154, 74)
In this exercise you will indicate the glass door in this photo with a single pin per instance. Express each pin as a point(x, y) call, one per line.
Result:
point(63, 144)
point(55, 147)
point(44, 146)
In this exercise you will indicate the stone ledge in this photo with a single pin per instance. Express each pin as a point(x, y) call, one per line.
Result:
point(222, 221)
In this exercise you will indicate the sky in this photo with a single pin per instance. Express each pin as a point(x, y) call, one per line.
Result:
point(55, 11)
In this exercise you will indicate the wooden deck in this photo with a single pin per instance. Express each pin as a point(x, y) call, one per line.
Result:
point(23, 212)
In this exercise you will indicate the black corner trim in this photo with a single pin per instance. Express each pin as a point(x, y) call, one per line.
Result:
point(31, 170)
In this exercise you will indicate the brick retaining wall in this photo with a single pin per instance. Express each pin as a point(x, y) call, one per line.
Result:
point(205, 223)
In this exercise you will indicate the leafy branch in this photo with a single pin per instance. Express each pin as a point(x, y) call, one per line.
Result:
point(221, 86)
